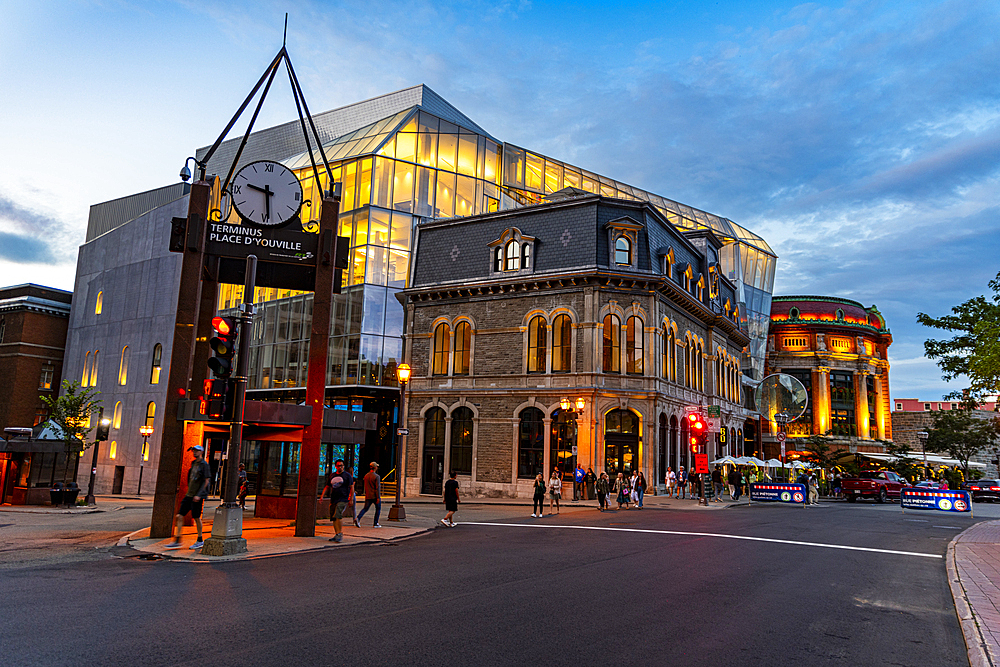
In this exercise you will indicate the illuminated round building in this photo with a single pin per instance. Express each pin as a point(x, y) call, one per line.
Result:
point(838, 349)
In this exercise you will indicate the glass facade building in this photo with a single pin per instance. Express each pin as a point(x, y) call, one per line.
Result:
point(415, 164)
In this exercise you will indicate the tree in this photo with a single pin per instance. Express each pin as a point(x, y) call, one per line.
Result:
point(901, 463)
point(974, 350)
point(69, 414)
point(962, 434)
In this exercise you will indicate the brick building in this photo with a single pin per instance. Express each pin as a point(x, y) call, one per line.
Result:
point(33, 322)
point(574, 331)
point(839, 350)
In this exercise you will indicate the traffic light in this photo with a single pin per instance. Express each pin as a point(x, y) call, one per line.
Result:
point(223, 346)
point(216, 398)
point(698, 429)
point(178, 234)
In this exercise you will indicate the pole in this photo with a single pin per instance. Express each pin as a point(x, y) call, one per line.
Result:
point(142, 458)
point(90, 500)
point(397, 512)
point(227, 528)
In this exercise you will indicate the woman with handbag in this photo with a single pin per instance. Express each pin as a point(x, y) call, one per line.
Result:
point(602, 492)
point(622, 491)
point(640, 489)
point(555, 490)
point(538, 501)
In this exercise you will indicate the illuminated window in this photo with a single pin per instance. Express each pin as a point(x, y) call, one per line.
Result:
point(562, 334)
point(461, 441)
point(623, 251)
point(634, 346)
point(842, 344)
point(116, 421)
point(612, 345)
point(795, 343)
point(442, 343)
point(463, 345)
point(100, 303)
point(531, 443)
point(536, 345)
point(85, 380)
point(668, 261)
point(150, 413)
point(145, 451)
point(113, 451)
point(123, 367)
point(686, 277)
point(154, 372)
point(512, 256)
point(672, 347)
point(46, 378)
point(700, 288)
point(93, 370)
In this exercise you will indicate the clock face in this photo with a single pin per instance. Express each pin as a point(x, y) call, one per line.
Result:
point(266, 193)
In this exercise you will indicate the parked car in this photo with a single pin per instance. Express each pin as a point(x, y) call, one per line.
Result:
point(879, 485)
point(931, 484)
point(984, 489)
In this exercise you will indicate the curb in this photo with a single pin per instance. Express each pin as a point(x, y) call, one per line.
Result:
point(975, 643)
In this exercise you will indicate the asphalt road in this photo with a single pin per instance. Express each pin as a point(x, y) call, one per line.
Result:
point(500, 595)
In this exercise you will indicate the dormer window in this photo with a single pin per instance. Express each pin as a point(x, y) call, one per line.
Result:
point(623, 251)
point(793, 314)
point(699, 291)
point(668, 261)
point(686, 277)
point(840, 314)
point(511, 252)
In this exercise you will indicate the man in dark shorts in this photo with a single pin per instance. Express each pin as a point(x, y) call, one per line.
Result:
point(373, 495)
point(451, 500)
point(198, 479)
point(341, 494)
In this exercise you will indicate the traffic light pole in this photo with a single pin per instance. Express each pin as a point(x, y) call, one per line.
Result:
point(90, 500)
point(227, 528)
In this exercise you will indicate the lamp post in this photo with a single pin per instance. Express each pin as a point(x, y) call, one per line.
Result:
point(103, 426)
point(923, 435)
point(396, 512)
point(146, 431)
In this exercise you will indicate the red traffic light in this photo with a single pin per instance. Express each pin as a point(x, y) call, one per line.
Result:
point(223, 325)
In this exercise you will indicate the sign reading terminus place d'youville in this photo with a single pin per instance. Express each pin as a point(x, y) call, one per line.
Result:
point(288, 244)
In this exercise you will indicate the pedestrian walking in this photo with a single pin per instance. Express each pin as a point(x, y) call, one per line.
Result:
point(837, 485)
point(538, 499)
point(813, 489)
point(682, 479)
point(642, 488)
point(670, 481)
point(373, 495)
point(602, 492)
point(578, 477)
point(621, 491)
point(693, 480)
point(803, 479)
point(199, 477)
point(633, 482)
point(734, 484)
point(341, 496)
point(555, 490)
point(717, 483)
point(244, 487)
point(451, 500)
point(590, 482)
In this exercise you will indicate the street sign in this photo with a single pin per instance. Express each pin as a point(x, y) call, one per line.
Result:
point(714, 424)
point(574, 450)
point(936, 499)
point(701, 463)
point(286, 244)
point(781, 437)
point(778, 493)
point(402, 431)
point(714, 411)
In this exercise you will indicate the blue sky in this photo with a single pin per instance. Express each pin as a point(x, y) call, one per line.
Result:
point(861, 139)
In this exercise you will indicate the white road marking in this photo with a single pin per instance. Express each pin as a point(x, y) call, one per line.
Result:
point(721, 535)
point(945, 526)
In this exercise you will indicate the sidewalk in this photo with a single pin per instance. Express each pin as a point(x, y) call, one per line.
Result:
point(974, 575)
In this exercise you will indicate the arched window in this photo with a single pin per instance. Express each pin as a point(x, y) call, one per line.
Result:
point(85, 380)
point(463, 345)
point(633, 345)
point(442, 343)
point(99, 306)
point(461, 441)
point(525, 256)
point(113, 450)
point(150, 413)
point(687, 362)
point(116, 421)
point(93, 370)
point(623, 251)
point(498, 260)
point(672, 346)
point(536, 345)
point(512, 256)
point(530, 443)
point(154, 372)
point(665, 356)
point(699, 364)
point(123, 367)
point(840, 315)
point(562, 336)
point(612, 345)
point(434, 429)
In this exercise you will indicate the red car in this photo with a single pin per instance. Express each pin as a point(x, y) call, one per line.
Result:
point(880, 485)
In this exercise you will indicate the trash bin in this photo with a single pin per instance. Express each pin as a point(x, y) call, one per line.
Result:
point(56, 494)
point(70, 494)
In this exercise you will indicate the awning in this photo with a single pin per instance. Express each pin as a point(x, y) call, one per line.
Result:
point(932, 459)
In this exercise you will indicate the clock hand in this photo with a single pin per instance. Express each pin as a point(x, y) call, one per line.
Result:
point(254, 187)
point(267, 200)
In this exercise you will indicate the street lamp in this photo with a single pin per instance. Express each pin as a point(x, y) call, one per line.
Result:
point(396, 512)
point(103, 428)
point(923, 435)
point(146, 431)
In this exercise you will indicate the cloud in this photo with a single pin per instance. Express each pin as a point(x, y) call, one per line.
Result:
point(29, 237)
point(25, 249)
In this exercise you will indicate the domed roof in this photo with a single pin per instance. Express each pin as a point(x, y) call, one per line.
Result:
point(823, 308)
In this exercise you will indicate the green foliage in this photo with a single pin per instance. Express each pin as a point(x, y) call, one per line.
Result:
point(69, 414)
point(962, 434)
point(901, 464)
point(974, 350)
